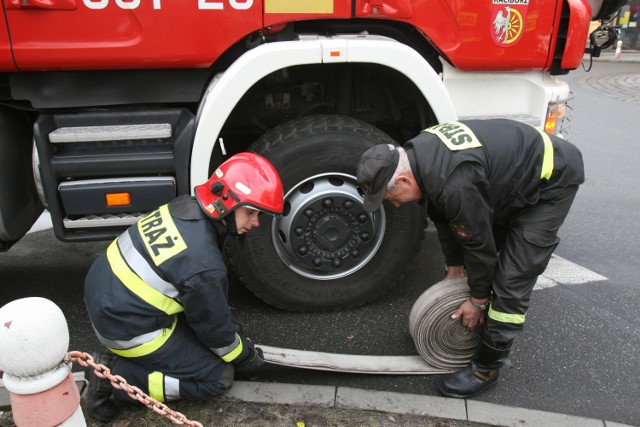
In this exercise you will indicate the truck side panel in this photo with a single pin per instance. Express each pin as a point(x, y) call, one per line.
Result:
point(116, 34)
point(492, 35)
point(508, 34)
point(497, 35)
point(6, 60)
point(121, 34)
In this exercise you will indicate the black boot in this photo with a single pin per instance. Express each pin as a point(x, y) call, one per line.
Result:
point(98, 398)
point(479, 375)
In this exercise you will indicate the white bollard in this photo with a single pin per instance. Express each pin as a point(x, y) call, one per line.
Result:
point(34, 341)
point(618, 49)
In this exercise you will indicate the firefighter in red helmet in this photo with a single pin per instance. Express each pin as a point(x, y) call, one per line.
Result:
point(157, 298)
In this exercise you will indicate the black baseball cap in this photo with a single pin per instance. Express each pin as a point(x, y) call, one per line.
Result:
point(375, 169)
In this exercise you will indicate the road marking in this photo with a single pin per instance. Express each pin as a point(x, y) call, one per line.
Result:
point(43, 223)
point(559, 271)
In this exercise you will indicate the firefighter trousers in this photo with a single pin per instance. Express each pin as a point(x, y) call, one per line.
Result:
point(525, 247)
point(183, 368)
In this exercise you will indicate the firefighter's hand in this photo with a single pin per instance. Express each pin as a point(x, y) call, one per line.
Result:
point(252, 362)
point(472, 318)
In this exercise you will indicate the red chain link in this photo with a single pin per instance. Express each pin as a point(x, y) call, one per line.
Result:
point(102, 371)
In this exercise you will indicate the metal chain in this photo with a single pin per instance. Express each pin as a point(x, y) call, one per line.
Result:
point(102, 371)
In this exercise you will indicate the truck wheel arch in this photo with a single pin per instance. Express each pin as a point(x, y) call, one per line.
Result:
point(341, 273)
point(226, 89)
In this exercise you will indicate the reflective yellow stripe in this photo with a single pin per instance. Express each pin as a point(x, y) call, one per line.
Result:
point(230, 357)
point(137, 285)
point(156, 386)
point(148, 347)
point(547, 159)
point(506, 317)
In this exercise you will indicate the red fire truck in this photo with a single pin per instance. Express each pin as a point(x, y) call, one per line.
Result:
point(111, 108)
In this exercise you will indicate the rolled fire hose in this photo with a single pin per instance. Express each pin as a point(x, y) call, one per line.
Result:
point(443, 344)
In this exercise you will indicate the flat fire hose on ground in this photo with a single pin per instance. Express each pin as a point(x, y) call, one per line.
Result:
point(444, 344)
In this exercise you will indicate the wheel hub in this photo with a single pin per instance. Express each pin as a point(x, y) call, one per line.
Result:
point(325, 232)
point(331, 235)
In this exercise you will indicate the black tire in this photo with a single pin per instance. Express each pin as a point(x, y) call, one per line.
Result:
point(326, 252)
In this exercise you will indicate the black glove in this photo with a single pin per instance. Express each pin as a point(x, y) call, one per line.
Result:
point(252, 362)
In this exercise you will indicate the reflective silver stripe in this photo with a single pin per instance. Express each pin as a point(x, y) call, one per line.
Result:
point(142, 268)
point(134, 342)
point(171, 388)
point(226, 350)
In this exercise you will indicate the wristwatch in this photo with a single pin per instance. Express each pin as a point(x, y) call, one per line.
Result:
point(481, 307)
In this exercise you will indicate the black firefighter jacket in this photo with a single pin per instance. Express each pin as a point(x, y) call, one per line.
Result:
point(475, 174)
point(182, 246)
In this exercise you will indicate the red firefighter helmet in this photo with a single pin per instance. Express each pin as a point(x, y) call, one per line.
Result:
point(245, 179)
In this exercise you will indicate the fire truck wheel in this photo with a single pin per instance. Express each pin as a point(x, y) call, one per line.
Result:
point(325, 252)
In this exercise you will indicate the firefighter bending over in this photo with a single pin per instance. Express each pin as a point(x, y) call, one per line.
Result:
point(497, 191)
point(158, 298)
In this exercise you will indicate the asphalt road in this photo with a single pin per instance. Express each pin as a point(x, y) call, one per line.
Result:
point(580, 352)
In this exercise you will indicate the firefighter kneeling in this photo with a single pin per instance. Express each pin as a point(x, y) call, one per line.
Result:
point(157, 298)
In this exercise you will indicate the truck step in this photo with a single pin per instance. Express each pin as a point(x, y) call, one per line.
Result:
point(101, 221)
point(100, 171)
point(524, 118)
point(110, 133)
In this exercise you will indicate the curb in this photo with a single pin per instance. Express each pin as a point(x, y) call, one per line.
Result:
point(403, 403)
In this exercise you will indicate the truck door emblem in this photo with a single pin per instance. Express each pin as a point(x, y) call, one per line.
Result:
point(508, 22)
